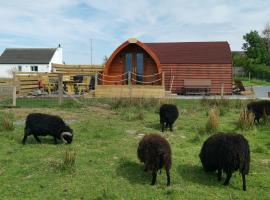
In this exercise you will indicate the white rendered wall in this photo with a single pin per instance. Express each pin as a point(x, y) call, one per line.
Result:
point(6, 69)
point(58, 56)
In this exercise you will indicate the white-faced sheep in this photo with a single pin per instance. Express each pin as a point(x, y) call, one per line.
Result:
point(227, 152)
point(38, 124)
point(259, 109)
point(155, 152)
point(168, 113)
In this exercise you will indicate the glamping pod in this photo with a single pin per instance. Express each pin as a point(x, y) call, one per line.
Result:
point(181, 67)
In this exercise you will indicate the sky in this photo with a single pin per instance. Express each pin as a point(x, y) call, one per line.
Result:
point(108, 23)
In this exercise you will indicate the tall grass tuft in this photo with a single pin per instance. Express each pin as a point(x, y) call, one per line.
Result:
point(246, 120)
point(212, 123)
point(6, 122)
point(138, 103)
point(222, 102)
point(69, 160)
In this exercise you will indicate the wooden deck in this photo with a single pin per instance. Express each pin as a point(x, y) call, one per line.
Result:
point(129, 91)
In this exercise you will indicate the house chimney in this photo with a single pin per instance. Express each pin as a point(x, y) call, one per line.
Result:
point(60, 53)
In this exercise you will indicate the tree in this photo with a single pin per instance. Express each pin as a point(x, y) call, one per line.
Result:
point(266, 35)
point(105, 59)
point(255, 48)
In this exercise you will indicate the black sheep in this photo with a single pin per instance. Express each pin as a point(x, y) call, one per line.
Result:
point(259, 109)
point(38, 124)
point(227, 152)
point(155, 152)
point(168, 113)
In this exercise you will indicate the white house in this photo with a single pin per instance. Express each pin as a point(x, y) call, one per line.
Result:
point(29, 60)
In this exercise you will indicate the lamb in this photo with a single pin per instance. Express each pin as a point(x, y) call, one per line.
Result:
point(259, 109)
point(38, 124)
point(155, 152)
point(168, 113)
point(227, 152)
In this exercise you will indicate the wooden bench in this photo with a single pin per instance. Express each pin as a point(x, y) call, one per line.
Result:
point(197, 86)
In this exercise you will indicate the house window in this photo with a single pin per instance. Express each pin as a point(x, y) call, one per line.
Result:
point(34, 68)
point(19, 68)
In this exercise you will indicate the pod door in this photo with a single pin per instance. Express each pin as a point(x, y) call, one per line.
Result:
point(134, 65)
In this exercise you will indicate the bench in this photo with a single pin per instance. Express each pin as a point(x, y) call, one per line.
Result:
point(197, 86)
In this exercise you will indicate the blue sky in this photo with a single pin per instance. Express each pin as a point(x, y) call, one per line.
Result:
point(72, 23)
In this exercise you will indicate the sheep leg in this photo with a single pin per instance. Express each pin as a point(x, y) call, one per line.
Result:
point(26, 133)
point(219, 175)
point(154, 178)
point(24, 139)
point(244, 182)
point(37, 139)
point(229, 175)
point(162, 127)
point(168, 177)
point(55, 140)
point(171, 128)
point(167, 124)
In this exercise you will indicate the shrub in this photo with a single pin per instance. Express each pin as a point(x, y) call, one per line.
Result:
point(212, 123)
point(246, 120)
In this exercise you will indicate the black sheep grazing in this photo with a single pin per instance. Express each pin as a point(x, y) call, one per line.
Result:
point(155, 152)
point(259, 108)
point(168, 113)
point(227, 152)
point(38, 124)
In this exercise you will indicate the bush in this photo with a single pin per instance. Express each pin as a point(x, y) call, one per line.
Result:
point(246, 120)
point(212, 123)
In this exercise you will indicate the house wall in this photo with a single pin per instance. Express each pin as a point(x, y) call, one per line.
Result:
point(117, 66)
point(57, 57)
point(217, 73)
point(6, 69)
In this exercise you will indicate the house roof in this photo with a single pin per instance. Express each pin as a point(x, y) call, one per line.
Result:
point(27, 55)
point(192, 52)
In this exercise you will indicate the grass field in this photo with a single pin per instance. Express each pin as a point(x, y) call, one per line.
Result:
point(253, 82)
point(106, 135)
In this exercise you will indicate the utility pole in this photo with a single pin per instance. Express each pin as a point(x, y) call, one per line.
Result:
point(91, 51)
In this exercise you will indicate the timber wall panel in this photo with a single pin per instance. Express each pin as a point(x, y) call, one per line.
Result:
point(217, 73)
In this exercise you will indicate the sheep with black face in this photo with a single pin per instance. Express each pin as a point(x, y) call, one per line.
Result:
point(155, 152)
point(168, 114)
point(226, 152)
point(259, 109)
point(39, 124)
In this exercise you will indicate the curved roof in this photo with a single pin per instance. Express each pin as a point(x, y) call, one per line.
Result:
point(125, 44)
point(192, 52)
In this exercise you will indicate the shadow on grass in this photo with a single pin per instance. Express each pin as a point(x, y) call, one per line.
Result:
point(133, 172)
point(44, 140)
point(196, 174)
point(154, 126)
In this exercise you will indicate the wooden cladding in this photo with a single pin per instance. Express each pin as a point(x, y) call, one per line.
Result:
point(175, 74)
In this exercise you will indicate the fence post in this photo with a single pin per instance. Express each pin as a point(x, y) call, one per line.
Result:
point(222, 89)
point(129, 84)
point(14, 95)
point(60, 89)
point(163, 79)
point(96, 79)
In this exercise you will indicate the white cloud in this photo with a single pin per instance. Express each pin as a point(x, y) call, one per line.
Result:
point(110, 22)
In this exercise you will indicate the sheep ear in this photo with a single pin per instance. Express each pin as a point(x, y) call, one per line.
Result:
point(67, 134)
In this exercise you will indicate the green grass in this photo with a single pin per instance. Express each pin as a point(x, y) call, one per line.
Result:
point(252, 82)
point(104, 164)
